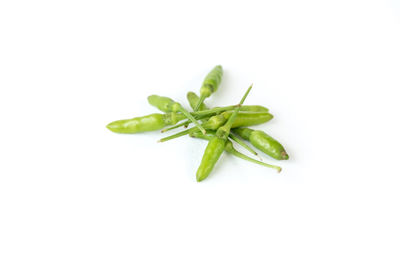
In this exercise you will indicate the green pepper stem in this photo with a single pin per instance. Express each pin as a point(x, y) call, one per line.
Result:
point(229, 123)
point(200, 115)
point(223, 131)
point(243, 156)
point(201, 100)
point(213, 111)
point(243, 144)
point(190, 117)
point(176, 126)
point(185, 132)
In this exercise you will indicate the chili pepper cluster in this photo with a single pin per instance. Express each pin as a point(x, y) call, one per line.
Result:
point(220, 126)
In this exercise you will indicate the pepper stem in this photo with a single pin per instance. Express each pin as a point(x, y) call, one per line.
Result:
point(176, 126)
point(175, 135)
point(243, 156)
point(201, 100)
point(200, 115)
point(243, 144)
point(209, 112)
point(190, 117)
point(224, 130)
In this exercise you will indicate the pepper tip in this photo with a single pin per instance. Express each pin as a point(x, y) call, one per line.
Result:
point(284, 155)
point(112, 126)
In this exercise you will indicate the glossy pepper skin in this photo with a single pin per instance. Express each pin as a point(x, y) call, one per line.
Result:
point(263, 142)
point(211, 155)
point(152, 122)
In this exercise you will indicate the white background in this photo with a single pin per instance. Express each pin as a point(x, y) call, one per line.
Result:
point(73, 193)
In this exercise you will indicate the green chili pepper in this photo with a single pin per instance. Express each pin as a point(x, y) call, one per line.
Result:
point(211, 155)
point(263, 142)
point(210, 84)
point(243, 119)
point(254, 115)
point(231, 149)
point(166, 104)
point(216, 145)
point(213, 123)
point(150, 122)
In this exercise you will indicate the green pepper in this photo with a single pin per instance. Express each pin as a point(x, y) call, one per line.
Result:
point(152, 122)
point(263, 142)
point(211, 155)
point(210, 84)
point(243, 119)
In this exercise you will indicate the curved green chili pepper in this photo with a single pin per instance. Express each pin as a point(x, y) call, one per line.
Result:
point(216, 145)
point(231, 149)
point(210, 84)
point(152, 122)
point(166, 104)
point(263, 142)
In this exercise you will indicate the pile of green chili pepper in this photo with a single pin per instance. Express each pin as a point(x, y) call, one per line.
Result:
point(220, 126)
